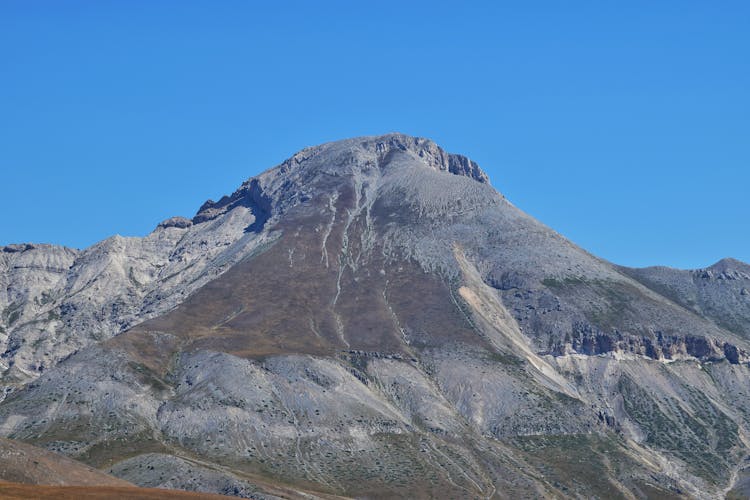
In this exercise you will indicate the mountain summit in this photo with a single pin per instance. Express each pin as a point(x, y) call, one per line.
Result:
point(371, 318)
point(359, 157)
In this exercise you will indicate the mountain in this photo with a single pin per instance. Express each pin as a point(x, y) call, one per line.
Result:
point(371, 318)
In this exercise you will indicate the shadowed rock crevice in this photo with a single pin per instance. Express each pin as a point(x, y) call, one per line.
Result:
point(251, 196)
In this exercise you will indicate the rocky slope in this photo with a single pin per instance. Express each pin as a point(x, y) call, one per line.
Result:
point(31, 472)
point(720, 292)
point(371, 318)
point(58, 300)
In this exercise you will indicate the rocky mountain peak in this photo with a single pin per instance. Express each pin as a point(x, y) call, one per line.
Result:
point(429, 152)
point(295, 177)
point(385, 146)
point(730, 265)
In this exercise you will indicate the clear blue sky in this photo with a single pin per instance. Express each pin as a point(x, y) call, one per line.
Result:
point(623, 125)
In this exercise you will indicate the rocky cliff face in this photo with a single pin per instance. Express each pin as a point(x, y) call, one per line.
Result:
point(372, 318)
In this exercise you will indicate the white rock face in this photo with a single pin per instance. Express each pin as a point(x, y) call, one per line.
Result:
point(58, 300)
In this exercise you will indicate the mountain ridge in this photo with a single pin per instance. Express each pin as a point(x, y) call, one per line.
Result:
point(452, 162)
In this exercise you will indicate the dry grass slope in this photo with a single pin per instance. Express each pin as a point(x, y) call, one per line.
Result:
point(27, 491)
